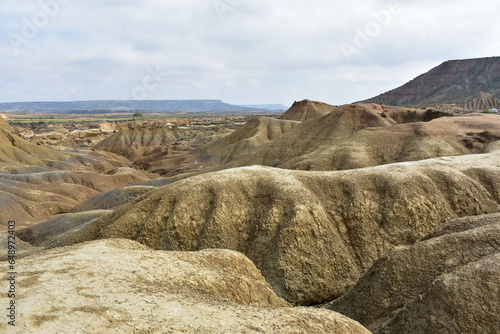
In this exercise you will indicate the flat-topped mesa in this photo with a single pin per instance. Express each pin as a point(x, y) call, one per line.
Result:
point(454, 81)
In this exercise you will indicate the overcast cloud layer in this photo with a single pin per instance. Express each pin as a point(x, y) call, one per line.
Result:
point(240, 51)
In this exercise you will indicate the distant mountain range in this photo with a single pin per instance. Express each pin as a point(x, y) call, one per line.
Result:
point(199, 106)
point(454, 81)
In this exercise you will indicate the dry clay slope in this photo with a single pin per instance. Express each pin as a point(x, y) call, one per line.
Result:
point(135, 289)
point(306, 109)
point(316, 133)
point(482, 101)
point(446, 283)
point(37, 182)
point(312, 234)
point(16, 152)
point(363, 135)
point(269, 141)
point(446, 136)
point(256, 132)
point(137, 142)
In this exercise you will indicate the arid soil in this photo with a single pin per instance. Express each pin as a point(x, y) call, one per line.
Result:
point(388, 215)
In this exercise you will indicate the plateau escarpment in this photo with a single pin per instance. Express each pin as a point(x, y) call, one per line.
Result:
point(454, 81)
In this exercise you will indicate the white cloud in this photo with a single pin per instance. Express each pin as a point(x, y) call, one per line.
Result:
point(250, 52)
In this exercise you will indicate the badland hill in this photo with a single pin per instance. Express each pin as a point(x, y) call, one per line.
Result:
point(381, 213)
point(130, 288)
point(454, 81)
point(38, 182)
point(347, 137)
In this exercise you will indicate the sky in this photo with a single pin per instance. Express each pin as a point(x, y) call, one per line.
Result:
point(238, 51)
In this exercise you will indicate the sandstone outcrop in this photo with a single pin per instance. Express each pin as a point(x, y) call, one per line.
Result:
point(311, 234)
point(446, 283)
point(121, 286)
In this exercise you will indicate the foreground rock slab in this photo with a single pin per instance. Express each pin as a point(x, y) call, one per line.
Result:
point(447, 283)
point(121, 286)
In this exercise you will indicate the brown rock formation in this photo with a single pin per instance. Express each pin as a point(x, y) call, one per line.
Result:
point(38, 182)
point(137, 142)
point(454, 81)
point(311, 234)
point(446, 283)
point(243, 141)
point(482, 101)
point(305, 110)
point(364, 135)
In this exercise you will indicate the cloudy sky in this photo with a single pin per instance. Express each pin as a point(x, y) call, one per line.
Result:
point(239, 51)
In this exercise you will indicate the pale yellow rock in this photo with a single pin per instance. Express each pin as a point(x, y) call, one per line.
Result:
point(121, 286)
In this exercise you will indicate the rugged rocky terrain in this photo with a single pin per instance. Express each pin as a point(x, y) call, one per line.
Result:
point(345, 205)
point(446, 283)
point(454, 81)
point(306, 109)
point(311, 234)
point(120, 286)
point(38, 182)
point(482, 101)
point(356, 136)
point(136, 142)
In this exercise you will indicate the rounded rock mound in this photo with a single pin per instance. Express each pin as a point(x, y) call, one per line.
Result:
point(134, 289)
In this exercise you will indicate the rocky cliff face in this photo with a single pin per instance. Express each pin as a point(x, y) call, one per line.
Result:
point(454, 81)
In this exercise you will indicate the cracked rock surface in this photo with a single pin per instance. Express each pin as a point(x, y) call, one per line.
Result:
point(446, 283)
point(121, 286)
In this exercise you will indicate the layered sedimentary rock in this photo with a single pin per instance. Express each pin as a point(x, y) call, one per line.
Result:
point(454, 81)
point(38, 182)
point(137, 142)
point(482, 101)
point(362, 135)
point(306, 109)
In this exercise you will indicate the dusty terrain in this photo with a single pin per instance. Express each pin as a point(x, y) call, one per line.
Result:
point(120, 286)
point(449, 280)
point(388, 215)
